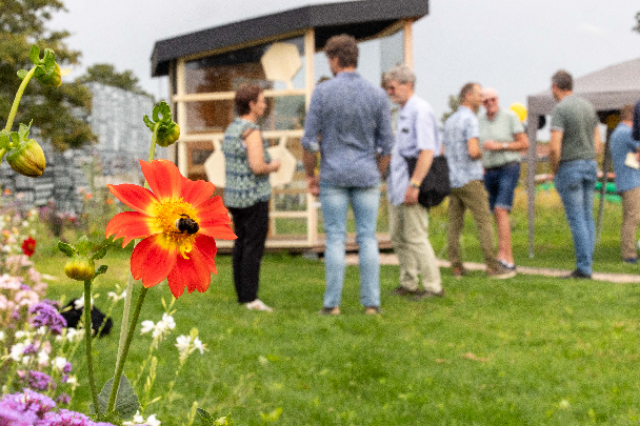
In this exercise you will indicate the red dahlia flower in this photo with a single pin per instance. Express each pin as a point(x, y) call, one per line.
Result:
point(178, 222)
point(29, 247)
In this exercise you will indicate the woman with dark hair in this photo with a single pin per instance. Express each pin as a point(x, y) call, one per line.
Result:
point(247, 191)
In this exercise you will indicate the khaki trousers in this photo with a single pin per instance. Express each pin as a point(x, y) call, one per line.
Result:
point(408, 225)
point(630, 220)
point(472, 196)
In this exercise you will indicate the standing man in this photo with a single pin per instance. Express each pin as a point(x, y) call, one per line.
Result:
point(416, 138)
point(575, 138)
point(353, 119)
point(460, 138)
point(627, 183)
point(502, 138)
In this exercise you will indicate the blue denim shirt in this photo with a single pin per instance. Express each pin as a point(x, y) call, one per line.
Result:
point(349, 122)
point(621, 143)
point(458, 129)
point(417, 130)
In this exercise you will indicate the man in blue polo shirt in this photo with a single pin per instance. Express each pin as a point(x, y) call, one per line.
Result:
point(627, 183)
point(349, 123)
point(416, 138)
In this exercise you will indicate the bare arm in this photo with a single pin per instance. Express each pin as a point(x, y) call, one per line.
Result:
point(309, 160)
point(255, 154)
point(520, 143)
point(423, 164)
point(555, 149)
point(383, 163)
point(597, 141)
point(473, 146)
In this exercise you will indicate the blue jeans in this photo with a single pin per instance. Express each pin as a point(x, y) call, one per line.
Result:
point(335, 202)
point(575, 182)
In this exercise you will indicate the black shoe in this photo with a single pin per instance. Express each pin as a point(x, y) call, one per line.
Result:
point(579, 275)
point(425, 294)
point(403, 291)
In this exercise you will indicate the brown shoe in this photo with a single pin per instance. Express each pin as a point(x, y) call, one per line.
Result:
point(458, 272)
point(500, 273)
point(330, 311)
point(425, 294)
point(403, 291)
point(372, 310)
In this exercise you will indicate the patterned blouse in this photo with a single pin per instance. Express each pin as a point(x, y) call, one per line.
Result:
point(243, 187)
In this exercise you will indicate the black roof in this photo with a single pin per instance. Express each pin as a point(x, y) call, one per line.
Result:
point(360, 18)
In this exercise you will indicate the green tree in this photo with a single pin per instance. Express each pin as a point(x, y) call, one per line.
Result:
point(454, 103)
point(107, 74)
point(57, 111)
point(637, 27)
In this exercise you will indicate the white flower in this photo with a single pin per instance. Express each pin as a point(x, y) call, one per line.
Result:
point(147, 326)
point(26, 360)
point(138, 419)
point(197, 344)
point(73, 382)
point(42, 331)
point(43, 358)
point(79, 303)
point(115, 298)
point(59, 362)
point(16, 351)
point(20, 334)
point(1, 335)
point(73, 334)
point(183, 343)
point(168, 320)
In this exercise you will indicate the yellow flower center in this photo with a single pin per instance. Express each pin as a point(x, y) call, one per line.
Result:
point(167, 215)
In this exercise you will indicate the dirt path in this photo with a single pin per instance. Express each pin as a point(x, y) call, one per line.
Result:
point(391, 259)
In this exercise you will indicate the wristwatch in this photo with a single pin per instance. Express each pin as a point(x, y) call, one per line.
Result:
point(414, 184)
point(504, 146)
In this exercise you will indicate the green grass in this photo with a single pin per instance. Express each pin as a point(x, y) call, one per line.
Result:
point(526, 351)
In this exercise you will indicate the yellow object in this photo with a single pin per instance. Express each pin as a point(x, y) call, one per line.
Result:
point(520, 110)
point(612, 120)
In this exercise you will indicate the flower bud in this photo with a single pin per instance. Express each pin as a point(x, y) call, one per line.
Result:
point(28, 159)
point(53, 79)
point(168, 137)
point(80, 268)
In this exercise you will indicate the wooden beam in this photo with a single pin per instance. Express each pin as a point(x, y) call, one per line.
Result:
point(183, 165)
point(408, 43)
point(310, 84)
point(224, 96)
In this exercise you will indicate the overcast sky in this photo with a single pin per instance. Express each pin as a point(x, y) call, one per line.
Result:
point(512, 45)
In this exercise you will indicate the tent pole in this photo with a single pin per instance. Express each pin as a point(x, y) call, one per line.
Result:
point(532, 157)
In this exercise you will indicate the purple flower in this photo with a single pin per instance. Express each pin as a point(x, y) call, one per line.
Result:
point(65, 378)
point(65, 418)
point(10, 417)
point(45, 314)
point(28, 402)
point(67, 368)
point(63, 399)
point(40, 381)
point(31, 349)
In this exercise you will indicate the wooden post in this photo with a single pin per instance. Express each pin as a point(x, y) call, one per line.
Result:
point(408, 43)
point(309, 54)
point(183, 165)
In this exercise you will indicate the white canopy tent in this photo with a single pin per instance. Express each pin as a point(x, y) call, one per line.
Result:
point(607, 89)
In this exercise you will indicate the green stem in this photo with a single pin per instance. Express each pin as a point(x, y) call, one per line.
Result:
point(125, 351)
point(88, 338)
point(154, 139)
point(14, 107)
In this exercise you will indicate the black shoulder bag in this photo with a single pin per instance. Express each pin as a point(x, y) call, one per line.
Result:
point(435, 186)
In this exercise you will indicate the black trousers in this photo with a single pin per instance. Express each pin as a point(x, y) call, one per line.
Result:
point(251, 226)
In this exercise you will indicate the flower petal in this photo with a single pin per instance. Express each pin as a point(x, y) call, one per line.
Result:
point(196, 192)
point(192, 273)
point(130, 225)
point(214, 219)
point(163, 178)
point(153, 259)
point(208, 248)
point(135, 196)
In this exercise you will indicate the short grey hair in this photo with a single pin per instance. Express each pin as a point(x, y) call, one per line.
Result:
point(400, 73)
point(562, 80)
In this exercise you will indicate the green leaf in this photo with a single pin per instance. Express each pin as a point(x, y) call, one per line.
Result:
point(22, 74)
point(49, 58)
point(150, 124)
point(34, 55)
point(272, 416)
point(205, 418)
point(67, 249)
point(102, 269)
point(84, 246)
point(224, 421)
point(126, 403)
point(24, 131)
point(100, 253)
point(162, 109)
point(15, 138)
point(5, 139)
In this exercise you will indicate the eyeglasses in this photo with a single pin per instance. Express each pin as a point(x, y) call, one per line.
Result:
point(486, 101)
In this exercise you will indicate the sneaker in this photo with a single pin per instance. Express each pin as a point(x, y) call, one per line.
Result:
point(425, 294)
point(403, 291)
point(500, 273)
point(258, 305)
point(330, 311)
point(632, 260)
point(507, 265)
point(372, 310)
point(577, 274)
point(458, 272)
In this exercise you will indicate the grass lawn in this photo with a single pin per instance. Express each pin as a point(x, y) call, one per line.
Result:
point(525, 351)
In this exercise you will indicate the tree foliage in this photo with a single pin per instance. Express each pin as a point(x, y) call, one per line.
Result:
point(454, 103)
point(59, 112)
point(637, 27)
point(107, 74)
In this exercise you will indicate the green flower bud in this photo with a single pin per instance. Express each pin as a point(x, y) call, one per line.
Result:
point(52, 79)
point(27, 159)
point(80, 268)
point(168, 135)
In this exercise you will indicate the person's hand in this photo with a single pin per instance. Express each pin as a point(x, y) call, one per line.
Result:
point(492, 146)
point(411, 195)
point(275, 165)
point(313, 185)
